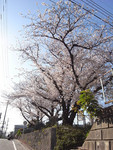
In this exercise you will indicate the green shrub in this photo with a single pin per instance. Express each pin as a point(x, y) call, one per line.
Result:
point(18, 134)
point(69, 137)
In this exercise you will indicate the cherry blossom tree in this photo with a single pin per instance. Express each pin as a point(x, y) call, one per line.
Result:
point(69, 51)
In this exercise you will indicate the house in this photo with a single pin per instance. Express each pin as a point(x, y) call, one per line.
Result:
point(17, 127)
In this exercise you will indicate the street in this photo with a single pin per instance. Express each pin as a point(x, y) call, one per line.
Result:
point(12, 145)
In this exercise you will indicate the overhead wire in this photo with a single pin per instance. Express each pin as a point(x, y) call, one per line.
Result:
point(3, 53)
point(101, 11)
point(100, 7)
point(89, 11)
point(107, 4)
point(4, 37)
point(1, 39)
point(5, 42)
point(78, 4)
point(97, 10)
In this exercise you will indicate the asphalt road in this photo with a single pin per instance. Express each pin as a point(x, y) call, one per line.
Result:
point(12, 145)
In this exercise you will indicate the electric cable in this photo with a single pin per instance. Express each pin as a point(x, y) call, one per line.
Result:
point(73, 1)
point(107, 4)
point(100, 7)
point(101, 11)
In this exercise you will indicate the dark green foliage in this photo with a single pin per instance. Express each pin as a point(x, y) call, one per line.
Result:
point(88, 103)
point(34, 127)
point(69, 137)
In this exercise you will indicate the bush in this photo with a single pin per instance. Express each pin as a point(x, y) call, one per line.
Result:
point(19, 133)
point(31, 128)
point(69, 137)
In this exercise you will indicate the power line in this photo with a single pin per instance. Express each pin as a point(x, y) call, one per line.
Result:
point(102, 11)
point(100, 7)
point(107, 4)
point(91, 13)
point(79, 5)
point(4, 42)
point(89, 10)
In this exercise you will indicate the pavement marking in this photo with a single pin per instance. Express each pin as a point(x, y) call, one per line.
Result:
point(14, 145)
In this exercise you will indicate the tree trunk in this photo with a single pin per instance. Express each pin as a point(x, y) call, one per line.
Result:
point(68, 118)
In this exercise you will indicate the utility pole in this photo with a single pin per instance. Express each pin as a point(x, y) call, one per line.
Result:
point(0, 115)
point(7, 126)
point(4, 117)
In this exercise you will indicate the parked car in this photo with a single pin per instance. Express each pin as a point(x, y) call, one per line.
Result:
point(10, 136)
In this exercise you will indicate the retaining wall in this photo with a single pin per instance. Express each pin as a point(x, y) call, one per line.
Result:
point(100, 136)
point(41, 140)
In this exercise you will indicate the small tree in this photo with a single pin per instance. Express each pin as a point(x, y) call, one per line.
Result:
point(88, 103)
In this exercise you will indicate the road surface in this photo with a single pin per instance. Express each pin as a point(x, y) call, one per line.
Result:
point(12, 145)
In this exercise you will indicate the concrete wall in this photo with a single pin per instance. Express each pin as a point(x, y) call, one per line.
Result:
point(41, 140)
point(101, 135)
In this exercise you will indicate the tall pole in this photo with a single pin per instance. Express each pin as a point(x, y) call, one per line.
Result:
point(4, 117)
point(7, 126)
point(0, 115)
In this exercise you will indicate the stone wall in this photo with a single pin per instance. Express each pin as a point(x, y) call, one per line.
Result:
point(41, 140)
point(100, 136)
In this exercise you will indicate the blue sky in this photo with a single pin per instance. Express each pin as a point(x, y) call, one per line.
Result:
point(14, 25)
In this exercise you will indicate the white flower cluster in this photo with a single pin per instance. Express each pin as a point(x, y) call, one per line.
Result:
point(44, 4)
